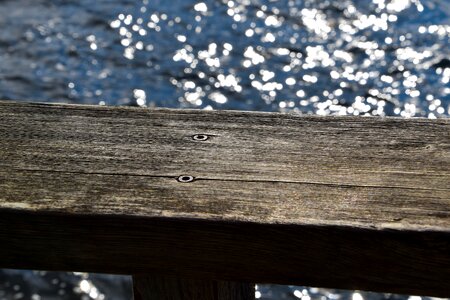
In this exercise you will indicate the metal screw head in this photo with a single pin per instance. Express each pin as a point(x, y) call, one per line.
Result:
point(185, 178)
point(200, 137)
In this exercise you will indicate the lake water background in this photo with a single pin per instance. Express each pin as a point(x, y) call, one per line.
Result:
point(326, 57)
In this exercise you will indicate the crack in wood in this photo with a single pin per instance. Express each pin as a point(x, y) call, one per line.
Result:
point(195, 178)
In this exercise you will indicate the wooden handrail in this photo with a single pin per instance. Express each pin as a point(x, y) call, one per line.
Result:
point(343, 202)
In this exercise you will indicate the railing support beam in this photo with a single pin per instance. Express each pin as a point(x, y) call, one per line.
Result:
point(157, 287)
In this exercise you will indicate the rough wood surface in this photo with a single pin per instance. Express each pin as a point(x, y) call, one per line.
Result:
point(347, 202)
point(160, 287)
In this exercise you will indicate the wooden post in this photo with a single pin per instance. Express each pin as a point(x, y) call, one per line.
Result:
point(160, 287)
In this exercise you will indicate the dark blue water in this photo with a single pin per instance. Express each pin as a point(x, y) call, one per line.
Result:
point(347, 57)
point(321, 57)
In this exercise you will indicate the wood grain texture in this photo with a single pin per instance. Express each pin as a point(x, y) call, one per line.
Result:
point(160, 287)
point(346, 202)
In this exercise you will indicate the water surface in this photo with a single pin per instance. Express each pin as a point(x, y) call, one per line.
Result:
point(320, 57)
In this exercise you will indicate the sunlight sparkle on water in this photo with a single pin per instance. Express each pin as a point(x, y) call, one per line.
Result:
point(190, 54)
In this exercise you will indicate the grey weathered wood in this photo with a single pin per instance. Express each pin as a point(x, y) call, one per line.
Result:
point(160, 287)
point(347, 202)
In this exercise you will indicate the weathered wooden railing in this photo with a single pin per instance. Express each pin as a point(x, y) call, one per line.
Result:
point(193, 201)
